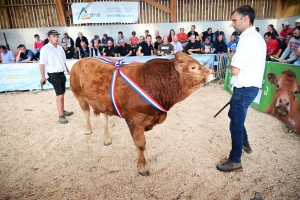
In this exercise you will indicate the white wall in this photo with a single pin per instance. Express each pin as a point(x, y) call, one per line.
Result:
point(291, 20)
point(25, 35)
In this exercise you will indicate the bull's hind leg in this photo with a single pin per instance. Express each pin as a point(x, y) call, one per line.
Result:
point(107, 138)
point(86, 111)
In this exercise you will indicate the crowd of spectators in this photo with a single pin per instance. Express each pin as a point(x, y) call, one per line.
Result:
point(284, 46)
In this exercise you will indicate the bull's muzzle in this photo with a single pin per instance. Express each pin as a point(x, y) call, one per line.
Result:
point(283, 106)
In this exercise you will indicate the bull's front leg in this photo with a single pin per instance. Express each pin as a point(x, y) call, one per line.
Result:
point(107, 138)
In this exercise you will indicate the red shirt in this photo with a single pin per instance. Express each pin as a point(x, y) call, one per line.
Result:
point(38, 44)
point(181, 37)
point(134, 41)
point(284, 33)
point(273, 44)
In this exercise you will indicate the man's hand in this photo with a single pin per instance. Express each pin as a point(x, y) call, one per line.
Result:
point(43, 80)
point(283, 61)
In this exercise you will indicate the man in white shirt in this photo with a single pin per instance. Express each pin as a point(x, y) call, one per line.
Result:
point(247, 68)
point(177, 45)
point(53, 61)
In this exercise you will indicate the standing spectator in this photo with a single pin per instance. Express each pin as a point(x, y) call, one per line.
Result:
point(208, 32)
point(157, 33)
point(297, 22)
point(273, 31)
point(105, 39)
point(165, 48)
point(7, 56)
point(284, 45)
point(285, 30)
point(124, 49)
point(217, 33)
point(220, 45)
point(232, 44)
point(119, 38)
point(182, 37)
point(157, 43)
point(146, 48)
point(171, 35)
point(53, 61)
point(146, 33)
point(96, 38)
point(24, 55)
point(206, 46)
point(193, 47)
point(177, 45)
point(141, 40)
point(289, 55)
point(69, 52)
point(80, 39)
point(272, 45)
point(96, 50)
point(84, 51)
point(110, 49)
point(46, 40)
point(193, 32)
point(68, 40)
point(37, 45)
point(133, 42)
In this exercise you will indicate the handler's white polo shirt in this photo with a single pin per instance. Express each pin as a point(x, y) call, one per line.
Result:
point(54, 58)
point(250, 58)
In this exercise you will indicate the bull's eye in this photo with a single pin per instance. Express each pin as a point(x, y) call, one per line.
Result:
point(296, 92)
point(277, 85)
point(193, 67)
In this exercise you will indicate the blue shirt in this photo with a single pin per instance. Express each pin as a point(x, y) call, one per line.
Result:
point(232, 45)
point(27, 54)
point(8, 57)
point(118, 39)
point(105, 41)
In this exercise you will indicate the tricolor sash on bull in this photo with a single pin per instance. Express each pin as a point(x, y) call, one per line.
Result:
point(130, 82)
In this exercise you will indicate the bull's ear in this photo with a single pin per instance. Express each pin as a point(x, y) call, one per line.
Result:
point(180, 67)
point(272, 78)
point(180, 56)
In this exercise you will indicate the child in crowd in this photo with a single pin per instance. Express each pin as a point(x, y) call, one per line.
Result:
point(37, 45)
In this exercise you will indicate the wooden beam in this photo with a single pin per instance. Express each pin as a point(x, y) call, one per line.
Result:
point(173, 7)
point(68, 13)
point(21, 5)
point(279, 9)
point(285, 8)
point(158, 5)
point(61, 9)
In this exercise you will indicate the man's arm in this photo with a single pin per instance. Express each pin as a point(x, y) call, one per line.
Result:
point(140, 51)
point(129, 54)
point(67, 69)
point(12, 56)
point(298, 52)
point(286, 52)
point(279, 52)
point(18, 59)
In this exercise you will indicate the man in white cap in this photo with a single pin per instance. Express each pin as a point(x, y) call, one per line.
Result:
point(285, 30)
point(297, 22)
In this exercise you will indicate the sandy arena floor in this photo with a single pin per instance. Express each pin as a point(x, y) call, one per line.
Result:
point(42, 159)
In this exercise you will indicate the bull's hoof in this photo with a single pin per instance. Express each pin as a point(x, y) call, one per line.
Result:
point(88, 132)
point(146, 173)
point(107, 141)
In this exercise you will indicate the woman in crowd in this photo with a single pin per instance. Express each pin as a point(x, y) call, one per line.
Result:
point(273, 31)
point(171, 35)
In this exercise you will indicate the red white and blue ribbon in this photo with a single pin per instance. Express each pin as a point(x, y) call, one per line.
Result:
point(130, 82)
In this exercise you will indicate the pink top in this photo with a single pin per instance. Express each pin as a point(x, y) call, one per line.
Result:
point(134, 41)
point(38, 44)
point(284, 33)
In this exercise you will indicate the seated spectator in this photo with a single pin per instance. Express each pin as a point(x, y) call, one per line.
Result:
point(124, 49)
point(109, 51)
point(157, 33)
point(105, 39)
point(133, 42)
point(236, 34)
point(284, 45)
point(84, 51)
point(207, 33)
point(68, 40)
point(146, 48)
point(96, 38)
point(24, 55)
point(232, 44)
point(285, 30)
point(216, 35)
point(289, 55)
point(96, 51)
point(38, 44)
point(146, 33)
point(193, 47)
point(80, 39)
point(165, 48)
point(297, 63)
point(206, 46)
point(273, 31)
point(141, 40)
point(46, 40)
point(7, 56)
point(119, 38)
point(157, 43)
point(69, 52)
point(272, 45)
point(193, 32)
point(171, 35)
point(297, 22)
point(177, 45)
point(182, 37)
point(220, 45)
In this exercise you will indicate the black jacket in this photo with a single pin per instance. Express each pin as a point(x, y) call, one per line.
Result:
point(72, 42)
point(84, 39)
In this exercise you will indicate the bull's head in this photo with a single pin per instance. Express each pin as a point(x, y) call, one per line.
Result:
point(188, 65)
point(286, 90)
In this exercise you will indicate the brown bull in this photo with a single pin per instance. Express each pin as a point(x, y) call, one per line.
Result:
point(166, 81)
point(284, 104)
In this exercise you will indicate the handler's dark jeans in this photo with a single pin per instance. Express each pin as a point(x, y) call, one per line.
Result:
point(239, 103)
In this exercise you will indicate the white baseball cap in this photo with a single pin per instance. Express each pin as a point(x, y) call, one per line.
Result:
point(286, 23)
point(298, 20)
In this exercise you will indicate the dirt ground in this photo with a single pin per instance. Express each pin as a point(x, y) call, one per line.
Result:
point(42, 159)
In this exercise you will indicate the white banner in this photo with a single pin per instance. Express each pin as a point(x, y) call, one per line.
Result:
point(105, 12)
